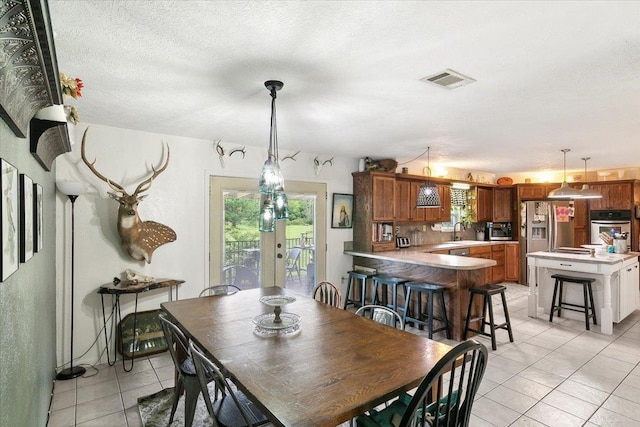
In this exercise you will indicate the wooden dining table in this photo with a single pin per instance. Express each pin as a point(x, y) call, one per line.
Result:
point(335, 367)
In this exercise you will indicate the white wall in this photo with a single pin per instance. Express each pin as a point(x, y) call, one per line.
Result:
point(177, 198)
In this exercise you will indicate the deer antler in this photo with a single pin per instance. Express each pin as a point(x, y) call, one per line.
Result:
point(146, 184)
point(115, 186)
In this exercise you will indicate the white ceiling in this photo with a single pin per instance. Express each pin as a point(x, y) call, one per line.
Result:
point(550, 75)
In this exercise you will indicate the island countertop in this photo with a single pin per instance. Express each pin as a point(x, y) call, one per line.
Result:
point(584, 258)
point(420, 257)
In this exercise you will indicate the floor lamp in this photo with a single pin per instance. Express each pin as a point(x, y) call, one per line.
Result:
point(72, 190)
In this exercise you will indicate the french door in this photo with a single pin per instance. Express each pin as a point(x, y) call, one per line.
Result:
point(293, 256)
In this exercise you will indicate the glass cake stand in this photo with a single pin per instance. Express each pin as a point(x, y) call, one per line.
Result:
point(278, 322)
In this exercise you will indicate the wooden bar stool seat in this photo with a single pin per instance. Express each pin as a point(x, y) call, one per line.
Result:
point(385, 282)
point(486, 292)
point(419, 317)
point(362, 277)
point(588, 308)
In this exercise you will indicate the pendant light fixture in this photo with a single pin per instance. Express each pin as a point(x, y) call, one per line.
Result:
point(271, 184)
point(586, 192)
point(428, 196)
point(565, 192)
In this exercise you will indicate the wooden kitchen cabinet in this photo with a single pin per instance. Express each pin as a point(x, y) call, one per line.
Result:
point(615, 195)
point(482, 252)
point(484, 204)
point(443, 213)
point(497, 271)
point(406, 194)
point(535, 191)
point(373, 209)
point(415, 214)
point(402, 200)
point(383, 197)
point(580, 223)
point(502, 204)
point(512, 262)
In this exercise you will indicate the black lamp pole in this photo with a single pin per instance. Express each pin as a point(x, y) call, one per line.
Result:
point(71, 371)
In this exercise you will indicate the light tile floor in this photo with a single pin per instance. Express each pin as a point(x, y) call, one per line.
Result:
point(554, 374)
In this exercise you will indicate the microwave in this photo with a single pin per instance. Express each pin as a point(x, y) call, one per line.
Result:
point(498, 231)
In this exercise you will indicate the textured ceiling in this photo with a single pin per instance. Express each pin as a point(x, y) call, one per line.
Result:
point(550, 75)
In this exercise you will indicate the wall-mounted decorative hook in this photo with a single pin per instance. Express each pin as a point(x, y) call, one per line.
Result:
point(292, 156)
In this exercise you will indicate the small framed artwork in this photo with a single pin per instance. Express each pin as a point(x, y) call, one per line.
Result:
point(37, 217)
point(146, 339)
point(26, 218)
point(9, 233)
point(342, 216)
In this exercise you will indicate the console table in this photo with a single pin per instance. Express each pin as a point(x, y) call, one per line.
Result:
point(116, 289)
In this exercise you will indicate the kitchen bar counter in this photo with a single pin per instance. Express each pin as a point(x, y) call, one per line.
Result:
point(457, 273)
point(423, 258)
point(615, 289)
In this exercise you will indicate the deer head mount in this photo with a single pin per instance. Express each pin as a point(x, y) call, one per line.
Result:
point(139, 238)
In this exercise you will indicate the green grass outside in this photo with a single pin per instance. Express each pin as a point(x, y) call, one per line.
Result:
point(293, 231)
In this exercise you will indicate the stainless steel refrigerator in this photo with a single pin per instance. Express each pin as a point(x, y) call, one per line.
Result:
point(544, 226)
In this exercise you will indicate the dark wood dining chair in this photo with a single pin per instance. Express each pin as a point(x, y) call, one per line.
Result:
point(233, 408)
point(455, 378)
point(327, 293)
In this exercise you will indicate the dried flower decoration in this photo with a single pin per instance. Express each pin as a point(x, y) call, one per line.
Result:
point(73, 88)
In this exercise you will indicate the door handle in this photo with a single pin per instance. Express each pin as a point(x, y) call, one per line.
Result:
point(279, 255)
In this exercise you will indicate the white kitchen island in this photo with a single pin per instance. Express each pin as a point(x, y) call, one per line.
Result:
point(616, 290)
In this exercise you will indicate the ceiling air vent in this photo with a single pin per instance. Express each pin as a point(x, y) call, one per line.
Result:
point(448, 79)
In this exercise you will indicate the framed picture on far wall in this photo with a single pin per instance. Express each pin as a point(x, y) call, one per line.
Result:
point(37, 217)
point(9, 233)
point(342, 216)
point(26, 218)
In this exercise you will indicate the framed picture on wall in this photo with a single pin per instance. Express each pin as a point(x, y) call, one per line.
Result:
point(342, 214)
point(26, 218)
point(37, 217)
point(9, 233)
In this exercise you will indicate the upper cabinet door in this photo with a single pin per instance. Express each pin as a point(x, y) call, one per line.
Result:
point(403, 200)
point(502, 203)
point(383, 198)
point(415, 214)
point(484, 204)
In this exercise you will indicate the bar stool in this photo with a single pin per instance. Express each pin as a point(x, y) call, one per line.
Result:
point(486, 292)
point(586, 291)
point(362, 277)
point(431, 291)
point(386, 281)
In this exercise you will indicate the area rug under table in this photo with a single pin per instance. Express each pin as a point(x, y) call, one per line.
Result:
point(155, 410)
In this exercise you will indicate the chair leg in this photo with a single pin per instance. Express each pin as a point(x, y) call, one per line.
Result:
point(560, 297)
point(445, 320)
point(407, 297)
point(430, 314)
point(553, 301)
point(191, 394)
point(586, 305)
point(466, 322)
point(492, 325)
point(506, 316)
point(179, 388)
point(593, 306)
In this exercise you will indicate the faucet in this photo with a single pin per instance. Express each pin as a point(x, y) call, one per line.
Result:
point(462, 228)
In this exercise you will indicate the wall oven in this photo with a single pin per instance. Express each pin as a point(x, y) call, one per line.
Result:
point(606, 221)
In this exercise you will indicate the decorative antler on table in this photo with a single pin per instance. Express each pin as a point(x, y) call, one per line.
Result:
point(139, 238)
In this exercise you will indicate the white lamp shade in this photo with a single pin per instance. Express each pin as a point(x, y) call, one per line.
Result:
point(72, 188)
